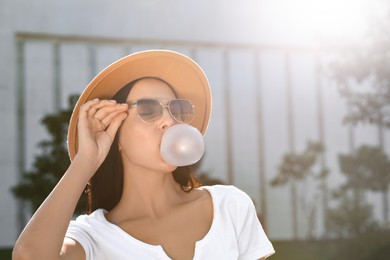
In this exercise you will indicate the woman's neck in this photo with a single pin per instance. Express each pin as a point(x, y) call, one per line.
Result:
point(147, 194)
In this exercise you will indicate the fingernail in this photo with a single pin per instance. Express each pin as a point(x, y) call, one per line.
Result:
point(113, 101)
point(124, 104)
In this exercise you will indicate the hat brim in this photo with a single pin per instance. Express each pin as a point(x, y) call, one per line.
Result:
point(183, 74)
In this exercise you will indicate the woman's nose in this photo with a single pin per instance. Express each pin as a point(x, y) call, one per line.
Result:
point(166, 119)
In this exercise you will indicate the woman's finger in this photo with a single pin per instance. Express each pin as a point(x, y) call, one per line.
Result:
point(86, 107)
point(99, 105)
point(115, 124)
point(109, 114)
point(105, 111)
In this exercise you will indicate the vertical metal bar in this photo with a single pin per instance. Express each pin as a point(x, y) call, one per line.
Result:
point(321, 137)
point(92, 61)
point(260, 142)
point(351, 134)
point(20, 126)
point(193, 54)
point(228, 118)
point(381, 142)
point(290, 106)
point(357, 192)
point(126, 50)
point(381, 136)
point(291, 143)
point(57, 97)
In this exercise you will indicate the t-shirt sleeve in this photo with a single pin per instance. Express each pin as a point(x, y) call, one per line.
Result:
point(252, 240)
point(81, 232)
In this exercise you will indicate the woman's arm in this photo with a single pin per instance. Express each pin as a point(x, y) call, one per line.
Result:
point(43, 236)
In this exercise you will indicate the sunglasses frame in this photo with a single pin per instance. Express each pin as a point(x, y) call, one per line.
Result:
point(167, 106)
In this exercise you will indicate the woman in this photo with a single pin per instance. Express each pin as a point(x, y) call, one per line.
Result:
point(141, 206)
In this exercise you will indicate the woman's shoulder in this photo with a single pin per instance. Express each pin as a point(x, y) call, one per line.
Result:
point(219, 187)
point(95, 216)
point(223, 189)
point(227, 192)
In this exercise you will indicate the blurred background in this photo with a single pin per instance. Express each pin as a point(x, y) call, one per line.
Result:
point(301, 106)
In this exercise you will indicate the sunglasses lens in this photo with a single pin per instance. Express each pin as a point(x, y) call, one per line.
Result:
point(181, 110)
point(149, 110)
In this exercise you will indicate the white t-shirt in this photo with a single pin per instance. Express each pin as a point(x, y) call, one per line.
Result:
point(235, 233)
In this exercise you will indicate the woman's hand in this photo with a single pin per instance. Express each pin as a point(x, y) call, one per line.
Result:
point(43, 236)
point(99, 121)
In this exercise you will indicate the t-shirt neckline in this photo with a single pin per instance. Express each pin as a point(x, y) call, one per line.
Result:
point(100, 214)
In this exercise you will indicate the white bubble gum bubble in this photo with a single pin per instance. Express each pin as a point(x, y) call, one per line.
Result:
point(182, 145)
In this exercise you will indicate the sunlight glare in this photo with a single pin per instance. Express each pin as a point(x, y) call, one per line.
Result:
point(337, 19)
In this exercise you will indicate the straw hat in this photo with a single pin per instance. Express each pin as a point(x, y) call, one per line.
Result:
point(182, 73)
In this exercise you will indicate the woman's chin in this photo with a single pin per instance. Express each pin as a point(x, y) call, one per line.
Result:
point(169, 168)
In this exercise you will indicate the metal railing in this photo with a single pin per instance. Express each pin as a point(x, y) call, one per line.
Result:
point(126, 45)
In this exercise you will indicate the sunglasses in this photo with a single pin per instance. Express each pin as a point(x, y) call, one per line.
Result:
point(150, 109)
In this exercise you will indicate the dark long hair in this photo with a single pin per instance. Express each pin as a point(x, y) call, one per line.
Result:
point(106, 186)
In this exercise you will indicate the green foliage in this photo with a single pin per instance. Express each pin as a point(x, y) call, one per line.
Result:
point(6, 253)
point(363, 76)
point(368, 168)
point(296, 166)
point(349, 219)
point(366, 66)
point(50, 164)
point(372, 245)
point(302, 250)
